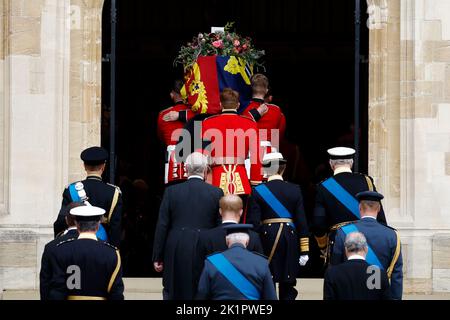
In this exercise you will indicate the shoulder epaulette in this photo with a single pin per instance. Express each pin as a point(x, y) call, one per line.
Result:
point(114, 186)
point(66, 241)
point(110, 245)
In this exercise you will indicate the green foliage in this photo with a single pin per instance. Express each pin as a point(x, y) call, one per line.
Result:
point(225, 43)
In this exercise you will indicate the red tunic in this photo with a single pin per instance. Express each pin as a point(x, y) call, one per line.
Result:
point(273, 119)
point(173, 170)
point(167, 128)
point(233, 138)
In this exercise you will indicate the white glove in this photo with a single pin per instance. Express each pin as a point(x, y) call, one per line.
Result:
point(303, 260)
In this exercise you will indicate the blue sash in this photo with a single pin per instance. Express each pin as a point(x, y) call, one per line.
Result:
point(342, 195)
point(101, 233)
point(74, 193)
point(234, 276)
point(371, 257)
point(273, 202)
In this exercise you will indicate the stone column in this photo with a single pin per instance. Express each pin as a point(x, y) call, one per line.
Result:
point(50, 62)
point(409, 131)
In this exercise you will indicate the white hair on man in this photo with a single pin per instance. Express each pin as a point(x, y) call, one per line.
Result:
point(334, 163)
point(196, 164)
point(237, 237)
point(355, 243)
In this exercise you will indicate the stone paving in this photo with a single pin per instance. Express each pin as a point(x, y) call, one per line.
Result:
point(150, 289)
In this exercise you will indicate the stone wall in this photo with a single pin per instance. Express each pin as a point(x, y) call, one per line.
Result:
point(409, 131)
point(50, 60)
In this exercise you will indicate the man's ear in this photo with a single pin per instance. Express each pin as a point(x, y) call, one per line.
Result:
point(240, 212)
point(220, 211)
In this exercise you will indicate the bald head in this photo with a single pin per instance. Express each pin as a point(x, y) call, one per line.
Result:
point(231, 207)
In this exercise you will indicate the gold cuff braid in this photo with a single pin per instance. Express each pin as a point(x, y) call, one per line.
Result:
point(304, 244)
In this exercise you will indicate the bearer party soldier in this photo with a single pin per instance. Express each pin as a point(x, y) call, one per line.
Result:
point(170, 123)
point(268, 116)
point(229, 138)
point(93, 191)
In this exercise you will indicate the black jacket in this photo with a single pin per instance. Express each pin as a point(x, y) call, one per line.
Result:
point(349, 281)
point(186, 209)
point(100, 194)
point(293, 239)
point(48, 265)
point(329, 211)
point(97, 264)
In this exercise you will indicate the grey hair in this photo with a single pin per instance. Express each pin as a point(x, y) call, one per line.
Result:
point(196, 164)
point(341, 162)
point(87, 226)
point(238, 237)
point(274, 168)
point(355, 242)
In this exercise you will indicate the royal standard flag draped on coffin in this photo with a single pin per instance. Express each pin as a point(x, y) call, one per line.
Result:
point(210, 75)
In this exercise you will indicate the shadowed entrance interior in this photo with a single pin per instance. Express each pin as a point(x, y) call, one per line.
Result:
point(309, 61)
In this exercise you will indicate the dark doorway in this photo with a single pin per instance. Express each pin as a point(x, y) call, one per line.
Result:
point(310, 63)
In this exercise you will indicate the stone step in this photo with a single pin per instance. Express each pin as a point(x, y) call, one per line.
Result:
point(151, 288)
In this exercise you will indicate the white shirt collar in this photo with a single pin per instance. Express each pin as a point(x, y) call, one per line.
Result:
point(368, 217)
point(341, 170)
point(228, 221)
point(356, 257)
point(275, 177)
point(87, 235)
point(194, 176)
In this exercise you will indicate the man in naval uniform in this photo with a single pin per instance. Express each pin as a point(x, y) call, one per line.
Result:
point(93, 191)
point(47, 261)
point(236, 274)
point(88, 269)
point(384, 247)
point(336, 204)
point(170, 123)
point(278, 206)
